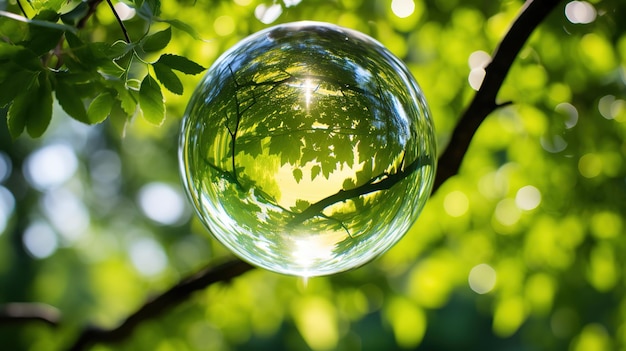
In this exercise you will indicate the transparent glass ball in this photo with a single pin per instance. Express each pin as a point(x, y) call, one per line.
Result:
point(308, 149)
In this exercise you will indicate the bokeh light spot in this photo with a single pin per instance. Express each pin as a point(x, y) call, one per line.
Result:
point(590, 165)
point(148, 256)
point(50, 166)
point(402, 8)
point(67, 213)
point(268, 14)
point(456, 203)
point(6, 166)
point(316, 319)
point(40, 240)
point(105, 166)
point(476, 77)
point(593, 337)
point(7, 205)
point(580, 12)
point(553, 144)
point(478, 59)
point(606, 225)
point(507, 212)
point(570, 112)
point(161, 203)
point(408, 322)
point(224, 25)
point(528, 198)
point(124, 11)
point(482, 278)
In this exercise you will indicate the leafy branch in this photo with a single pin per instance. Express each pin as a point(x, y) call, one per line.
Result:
point(382, 182)
point(92, 81)
point(483, 103)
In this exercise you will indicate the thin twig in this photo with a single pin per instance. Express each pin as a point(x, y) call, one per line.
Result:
point(91, 9)
point(19, 4)
point(119, 20)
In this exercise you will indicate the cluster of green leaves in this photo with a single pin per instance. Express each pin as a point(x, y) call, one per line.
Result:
point(91, 80)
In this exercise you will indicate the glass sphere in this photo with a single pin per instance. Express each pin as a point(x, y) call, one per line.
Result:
point(308, 149)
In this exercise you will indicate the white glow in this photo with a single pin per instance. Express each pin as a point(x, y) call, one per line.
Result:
point(290, 3)
point(5, 166)
point(124, 11)
point(571, 112)
point(268, 14)
point(307, 252)
point(580, 12)
point(476, 77)
point(402, 8)
point(148, 256)
point(40, 240)
point(528, 198)
point(478, 59)
point(67, 213)
point(482, 278)
point(161, 203)
point(50, 166)
point(309, 88)
point(7, 205)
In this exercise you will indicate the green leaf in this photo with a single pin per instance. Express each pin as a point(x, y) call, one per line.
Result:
point(151, 101)
point(119, 49)
point(73, 16)
point(297, 174)
point(315, 171)
point(32, 109)
point(302, 205)
point(125, 98)
point(155, 6)
point(100, 108)
point(43, 39)
point(157, 41)
point(39, 23)
point(181, 26)
point(73, 40)
point(168, 78)
point(70, 100)
point(181, 64)
point(118, 118)
point(41, 113)
point(16, 82)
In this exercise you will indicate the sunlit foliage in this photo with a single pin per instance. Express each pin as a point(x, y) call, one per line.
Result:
point(524, 249)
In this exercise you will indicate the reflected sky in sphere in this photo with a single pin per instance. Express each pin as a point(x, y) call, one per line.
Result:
point(308, 149)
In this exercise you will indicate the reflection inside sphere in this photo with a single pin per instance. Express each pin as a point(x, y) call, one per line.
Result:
point(308, 149)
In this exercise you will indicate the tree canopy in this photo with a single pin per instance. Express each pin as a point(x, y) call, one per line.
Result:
point(519, 247)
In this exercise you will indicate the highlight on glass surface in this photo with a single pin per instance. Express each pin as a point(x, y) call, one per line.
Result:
point(308, 149)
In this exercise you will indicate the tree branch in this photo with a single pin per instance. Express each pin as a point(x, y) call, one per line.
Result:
point(175, 295)
point(14, 313)
point(375, 184)
point(484, 102)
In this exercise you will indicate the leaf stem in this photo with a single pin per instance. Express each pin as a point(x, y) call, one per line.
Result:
point(19, 4)
point(119, 20)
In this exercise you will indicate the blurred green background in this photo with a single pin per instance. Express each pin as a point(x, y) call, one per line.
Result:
point(523, 250)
